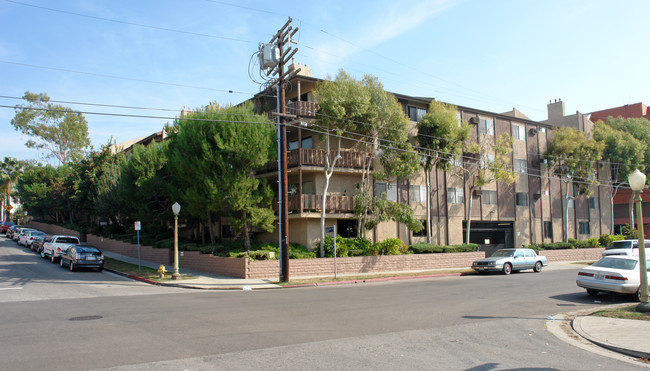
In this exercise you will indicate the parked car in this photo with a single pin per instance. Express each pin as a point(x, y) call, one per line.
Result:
point(625, 247)
point(508, 260)
point(26, 238)
point(11, 231)
point(5, 226)
point(53, 246)
point(18, 231)
point(37, 244)
point(82, 256)
point(617, 273)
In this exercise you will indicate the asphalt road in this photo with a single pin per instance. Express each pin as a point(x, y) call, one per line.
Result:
point(53, 319)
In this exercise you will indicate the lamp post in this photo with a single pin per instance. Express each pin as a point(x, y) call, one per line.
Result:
point(637, 182)
point(176, 208)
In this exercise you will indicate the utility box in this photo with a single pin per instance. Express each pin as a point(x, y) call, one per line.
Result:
point(269, 56)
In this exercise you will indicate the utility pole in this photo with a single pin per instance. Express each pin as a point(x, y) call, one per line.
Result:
point(275, 55)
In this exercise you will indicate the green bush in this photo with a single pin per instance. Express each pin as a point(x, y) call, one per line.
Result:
point(556, 246)
point(360, 243)
point(606, 239)
point(341, 246)
point(427, 248)
point(390, 246)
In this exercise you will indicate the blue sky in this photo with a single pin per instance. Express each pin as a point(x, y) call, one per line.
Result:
point(170, 54)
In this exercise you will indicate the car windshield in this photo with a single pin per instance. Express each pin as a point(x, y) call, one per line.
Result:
point(624, 264)
point(619, 245)
point(503, 253)
point(38, 234)
point(67, 240)
point(87, 250)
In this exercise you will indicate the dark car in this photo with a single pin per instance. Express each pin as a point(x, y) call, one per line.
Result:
point(82, 256)
point(5, 226)
point(37, 244)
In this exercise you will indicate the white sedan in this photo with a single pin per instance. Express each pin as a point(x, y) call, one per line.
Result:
point(619, 274)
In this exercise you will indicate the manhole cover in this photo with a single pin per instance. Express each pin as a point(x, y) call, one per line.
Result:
point(85, 318)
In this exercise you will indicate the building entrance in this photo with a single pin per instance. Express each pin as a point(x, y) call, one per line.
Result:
point(491, 236)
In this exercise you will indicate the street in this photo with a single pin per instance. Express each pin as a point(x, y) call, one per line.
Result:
point(59, 320)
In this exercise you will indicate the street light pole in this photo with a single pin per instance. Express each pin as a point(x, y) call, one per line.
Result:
point(176, 208)
point(637, 182)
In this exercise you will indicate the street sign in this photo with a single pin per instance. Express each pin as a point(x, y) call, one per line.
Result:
point(137, 226)
point(8, 207)
point(329, 230)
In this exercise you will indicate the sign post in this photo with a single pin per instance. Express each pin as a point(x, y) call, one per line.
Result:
point(332, 229)
point(137, 228)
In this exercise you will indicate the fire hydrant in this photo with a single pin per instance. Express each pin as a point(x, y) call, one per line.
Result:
point(162, 271)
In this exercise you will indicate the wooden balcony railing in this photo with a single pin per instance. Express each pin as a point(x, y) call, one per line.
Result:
point(302, 109)
point(316, 157)
point(304, 203)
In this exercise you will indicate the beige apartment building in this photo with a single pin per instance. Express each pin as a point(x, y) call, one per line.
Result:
point(530, 210)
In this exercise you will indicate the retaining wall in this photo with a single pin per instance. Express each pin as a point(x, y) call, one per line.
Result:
point(243, 268)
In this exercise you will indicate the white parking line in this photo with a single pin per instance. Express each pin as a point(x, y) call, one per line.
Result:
point(11, 288)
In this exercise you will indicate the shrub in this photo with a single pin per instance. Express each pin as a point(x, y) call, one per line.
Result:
point(466, 247)
point(390, 246)
point(606, 239)
point(341, 246)
point(360, 243)
point(555, 246)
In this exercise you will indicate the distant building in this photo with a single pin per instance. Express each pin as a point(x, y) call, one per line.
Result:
point(627, 111)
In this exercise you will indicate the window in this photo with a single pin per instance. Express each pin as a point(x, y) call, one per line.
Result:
point(518, 132)
point(548, 230)
point(418, 193)
point(348, 228)
point(542, 130)
point(521, 199)
point(416, 113)
point(584, 228)
point(455, 196)
point(489, 197)
point(529, 254)
point(306, 143)
point(308, 188)
point(520, 165)
point(423, 231)
point(486, 127)
point(390, 189)
point(593, 203)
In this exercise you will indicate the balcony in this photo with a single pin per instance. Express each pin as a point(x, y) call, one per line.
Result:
point(316, 157)
point(304, 203)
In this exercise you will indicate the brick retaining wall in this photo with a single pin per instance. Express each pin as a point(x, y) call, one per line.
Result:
point(243, 268)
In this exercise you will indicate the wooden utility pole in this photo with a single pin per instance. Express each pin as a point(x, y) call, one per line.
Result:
point(282, 40)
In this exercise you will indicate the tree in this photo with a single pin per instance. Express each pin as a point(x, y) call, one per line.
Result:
point(573, 158)
point(624, 152)
point(440, 139)
point(10, 169)
point(376, 121)
point(43, 191)
point(212, 155)
point(486, 162)
point(59, 130)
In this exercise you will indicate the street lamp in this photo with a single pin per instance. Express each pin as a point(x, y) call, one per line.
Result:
point(176, 208)
point(637, 182)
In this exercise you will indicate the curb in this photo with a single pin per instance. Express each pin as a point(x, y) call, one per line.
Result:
point(576, 325)
point(369, 280)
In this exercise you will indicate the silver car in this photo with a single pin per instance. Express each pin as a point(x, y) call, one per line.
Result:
point(508, 260)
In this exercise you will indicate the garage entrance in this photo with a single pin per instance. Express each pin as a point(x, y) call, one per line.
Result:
point(498, 235)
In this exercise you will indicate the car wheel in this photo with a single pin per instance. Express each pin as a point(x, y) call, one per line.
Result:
point(538, 267)
point(61, 262)
point(592, 292)
point(43, 254)
point(52, 258)
point(507, 268)
point(100, 269)
point(71, 267)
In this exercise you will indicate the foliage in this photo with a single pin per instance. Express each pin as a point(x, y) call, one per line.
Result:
point(630, 232)
point(342, 246)
point(223, 147)
point(606, 239)
point(572, 154)
point(382, 210)
point(427, 248)
point(391, 246)
point(639, 128)
point(62, 132)
point(625, 152)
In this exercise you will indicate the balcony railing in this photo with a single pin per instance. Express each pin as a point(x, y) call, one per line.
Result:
point(316, 157)
point(304, 203)
point(302, 109)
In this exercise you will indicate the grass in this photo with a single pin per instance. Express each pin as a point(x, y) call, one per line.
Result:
point(627, 312)
point(371, 276)
point(145, 272)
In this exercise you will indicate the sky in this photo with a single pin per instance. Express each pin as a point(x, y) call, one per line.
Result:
point(157, 57)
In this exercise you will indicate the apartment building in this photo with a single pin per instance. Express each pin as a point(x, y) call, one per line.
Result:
point(533, 209)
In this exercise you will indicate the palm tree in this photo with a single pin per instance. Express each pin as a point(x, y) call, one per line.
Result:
point(10, 170)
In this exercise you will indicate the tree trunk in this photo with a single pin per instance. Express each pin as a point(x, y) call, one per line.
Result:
point(469, 214)
point(329, 170)
point(210, 228)
point(247, 240)
point(427, 176)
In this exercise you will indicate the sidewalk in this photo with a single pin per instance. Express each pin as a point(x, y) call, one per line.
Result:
point(624, 336)
point(202, 280)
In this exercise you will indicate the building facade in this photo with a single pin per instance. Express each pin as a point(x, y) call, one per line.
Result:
point(533, 209)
